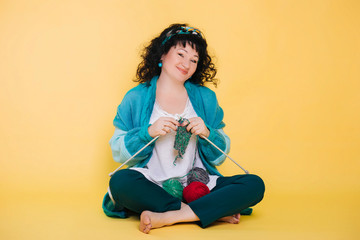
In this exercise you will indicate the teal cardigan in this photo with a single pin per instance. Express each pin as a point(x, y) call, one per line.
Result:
point(132, 122)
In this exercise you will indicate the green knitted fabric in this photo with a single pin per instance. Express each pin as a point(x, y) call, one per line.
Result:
point(182, 139)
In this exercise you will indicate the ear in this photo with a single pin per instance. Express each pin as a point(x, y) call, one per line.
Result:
point(162, 57)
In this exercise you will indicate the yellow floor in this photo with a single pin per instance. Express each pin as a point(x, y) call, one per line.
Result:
point(279, 216)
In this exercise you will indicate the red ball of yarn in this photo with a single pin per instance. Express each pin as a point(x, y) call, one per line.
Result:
point(194, 191)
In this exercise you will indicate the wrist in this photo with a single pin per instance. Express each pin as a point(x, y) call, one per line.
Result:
point(150, 132)
point(144, 134)
point(207, 133)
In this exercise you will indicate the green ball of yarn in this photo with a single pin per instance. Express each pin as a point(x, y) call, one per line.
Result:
point(173, 187)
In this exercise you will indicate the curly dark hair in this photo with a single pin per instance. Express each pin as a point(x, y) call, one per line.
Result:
point(148, 68)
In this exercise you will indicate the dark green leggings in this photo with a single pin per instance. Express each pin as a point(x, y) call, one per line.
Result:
point(131, 190)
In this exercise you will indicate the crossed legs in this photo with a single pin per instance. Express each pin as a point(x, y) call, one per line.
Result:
point(133, 191)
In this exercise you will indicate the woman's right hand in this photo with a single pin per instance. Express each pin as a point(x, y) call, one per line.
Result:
point(163, 126)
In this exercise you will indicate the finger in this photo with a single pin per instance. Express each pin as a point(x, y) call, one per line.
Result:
point(162, 133)
point(170, 125)
point(194, 130)
point(167, 129)
point(197, 132)
point(168, 120)
point(191, 126)
point(172, 120)
point(196, 120)
point(203, 131)
point(193, 119)
point(186, 122)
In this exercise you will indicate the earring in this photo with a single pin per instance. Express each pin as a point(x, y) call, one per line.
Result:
point(160, 64)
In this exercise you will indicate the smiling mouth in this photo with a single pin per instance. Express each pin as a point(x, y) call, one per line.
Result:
point(182, 71)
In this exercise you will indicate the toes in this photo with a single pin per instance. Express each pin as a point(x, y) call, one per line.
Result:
point(233, 220)
point(237, 218)
point(145, 222)
point(147, 229)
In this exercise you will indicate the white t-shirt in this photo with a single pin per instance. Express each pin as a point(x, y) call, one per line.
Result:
point(161, 165)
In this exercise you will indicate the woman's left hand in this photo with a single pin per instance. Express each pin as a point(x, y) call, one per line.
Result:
point(197, 127)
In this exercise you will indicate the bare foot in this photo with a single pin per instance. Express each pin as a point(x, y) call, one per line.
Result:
point(234, 219)
point(145, 222)
point(149, 220)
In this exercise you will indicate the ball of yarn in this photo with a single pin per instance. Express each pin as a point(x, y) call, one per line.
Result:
point(173, 187)
point(195, 190)
point(198, 175)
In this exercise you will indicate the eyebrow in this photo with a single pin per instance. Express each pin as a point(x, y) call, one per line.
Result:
point(187, 52)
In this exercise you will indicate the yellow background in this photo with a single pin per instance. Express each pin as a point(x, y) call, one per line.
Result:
point(289, 85)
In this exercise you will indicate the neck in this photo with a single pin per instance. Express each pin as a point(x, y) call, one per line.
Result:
point(167, 84)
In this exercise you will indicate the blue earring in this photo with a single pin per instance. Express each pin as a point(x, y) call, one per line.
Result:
point(160, 64)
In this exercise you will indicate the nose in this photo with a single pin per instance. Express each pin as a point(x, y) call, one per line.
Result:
point(186, 63)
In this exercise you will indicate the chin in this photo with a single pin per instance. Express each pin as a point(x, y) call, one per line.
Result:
point(182, 79)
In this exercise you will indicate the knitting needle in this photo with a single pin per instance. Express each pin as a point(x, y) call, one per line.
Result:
point(247, 172)
point(133, 156)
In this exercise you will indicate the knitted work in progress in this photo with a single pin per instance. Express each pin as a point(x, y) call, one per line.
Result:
point(173, 186)
point(182, 139)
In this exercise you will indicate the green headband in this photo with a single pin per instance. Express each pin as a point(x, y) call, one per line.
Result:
point(183, 30)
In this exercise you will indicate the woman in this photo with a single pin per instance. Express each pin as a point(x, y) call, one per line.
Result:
point(174, 69)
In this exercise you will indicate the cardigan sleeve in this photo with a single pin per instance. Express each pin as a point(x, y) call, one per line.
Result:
point(124, 144)
point(213, 117)
point(130, 135)
point(208, 152)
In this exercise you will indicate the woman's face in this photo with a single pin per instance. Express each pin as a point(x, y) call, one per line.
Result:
point(180, 62)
